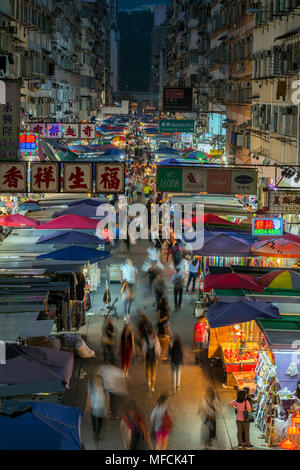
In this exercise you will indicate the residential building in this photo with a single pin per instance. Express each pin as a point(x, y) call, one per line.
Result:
point(159, 38)
point(114, 46)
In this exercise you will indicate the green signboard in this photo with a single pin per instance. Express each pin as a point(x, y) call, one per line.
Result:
point(169, 179)
point(176, 125)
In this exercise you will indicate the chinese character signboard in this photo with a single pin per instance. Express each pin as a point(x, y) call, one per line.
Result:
point(56, 130)
point(44, 178)
point(261, 227)
point(110, 178)
point(29, 144)
point(176, 125)
point(178, 99)
point(78, 178)
point(13, 177)
point(10, 122)
point(284, 202)
point(191, 179)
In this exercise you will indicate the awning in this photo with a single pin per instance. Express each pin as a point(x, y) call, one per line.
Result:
point(226, 314)
point(77, 253)
point(287, 35)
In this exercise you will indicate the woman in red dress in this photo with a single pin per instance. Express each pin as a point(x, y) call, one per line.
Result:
point(127, 347)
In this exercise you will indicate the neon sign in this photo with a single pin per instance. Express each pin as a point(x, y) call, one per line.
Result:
point(271, 226)
point(29, 144)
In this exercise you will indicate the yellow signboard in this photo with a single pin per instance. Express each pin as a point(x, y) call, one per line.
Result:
point(215, 152)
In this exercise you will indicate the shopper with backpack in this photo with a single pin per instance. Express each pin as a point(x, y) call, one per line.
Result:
point(178, 282)
point(162, 422)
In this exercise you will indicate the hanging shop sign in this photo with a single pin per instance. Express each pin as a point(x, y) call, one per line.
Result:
point(267, 227)
point(284, 202)
point(13, 177)
point(44, 178)
point(10, 122)
point(64, 130)
point(178, 99)
point(110, 178)
point(176, 125)
point(67, 177)
point(216, 152)
point(29, 144)
point(190, 179)
point(78, 178)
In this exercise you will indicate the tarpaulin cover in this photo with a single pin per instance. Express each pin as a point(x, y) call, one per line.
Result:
point(208, 219)
point(224, 245)
point(70, 238)
point(277, 247)
point(226, 314)
point(231, 281)
point(76, 253)
point(29, 364)
point(46, 427)
point(89, 201)
point(70, 221)
point(85, 210)
point(280, 279)
point(17, 220)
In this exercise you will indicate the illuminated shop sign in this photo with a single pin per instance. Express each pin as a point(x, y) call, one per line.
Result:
point(263, 227)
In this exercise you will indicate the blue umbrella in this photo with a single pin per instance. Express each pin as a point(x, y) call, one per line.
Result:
point(70, 237)
point(76, 253)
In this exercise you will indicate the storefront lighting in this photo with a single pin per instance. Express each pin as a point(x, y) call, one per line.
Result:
point(287, 444)
point(293, 430)
point(296, 419)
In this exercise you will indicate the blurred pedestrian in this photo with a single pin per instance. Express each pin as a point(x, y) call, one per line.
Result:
point(152, 351)
point(176, 358)
point(127, 299)
point(200, 339)
point(127, 347)
point(97, 403)
point(133, 428)
point(161, 421)
point(242, 407)
point(177, 252)
point(159, 288)
point(114, 384)
point(193, 272)
point(108, 341)
point(178, 283)
point(142, 329)
point(163, 325)
point(209, 405)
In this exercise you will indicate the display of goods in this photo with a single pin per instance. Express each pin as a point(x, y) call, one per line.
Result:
point(233, 355)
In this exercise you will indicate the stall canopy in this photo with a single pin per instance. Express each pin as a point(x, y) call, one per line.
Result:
point(17, 220)
point(77, 253)
point(277, 247)
point(224, 245)
point(210, 219)
point(85, 210)
point(231, 281)
point(70, 221)
point(89, 201)
point(32, 369)
point(70, 238)
point(280, 279)
point(39, 426)
point(226, 314)
point(29, 206)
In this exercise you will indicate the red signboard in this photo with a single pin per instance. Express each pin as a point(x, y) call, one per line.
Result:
point(44, 178)
point(219, 182)
point(109, 178)
point(13, 177)
point(78, 178)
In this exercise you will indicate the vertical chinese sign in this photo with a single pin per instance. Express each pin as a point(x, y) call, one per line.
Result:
point(13, 177)
point(44, 178)
point(10, 122)
point(110, 178)
point(78, 178)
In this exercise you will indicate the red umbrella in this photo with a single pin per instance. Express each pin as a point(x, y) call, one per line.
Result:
point(70, 221)
point(17, 220)
point(231, 281)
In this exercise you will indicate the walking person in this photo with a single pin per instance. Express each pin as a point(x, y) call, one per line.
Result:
point(108, 341)
point(243, 408)
point(193, 272)
point(142, 329)
point(176, 358)
point(152, 351)
point(177, 252)
point(129, 273)
point(161, 421)
point(178, 282)
point(115, 384)
point(200, 339)
point(127, 299)
point(127, 347)
point(134, 428)
point(159, 288)
point(208, 407)
point(97, 403)
point(163, 325)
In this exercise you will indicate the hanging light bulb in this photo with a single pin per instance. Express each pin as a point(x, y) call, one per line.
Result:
point(296, 419)
point(293, 430)
point(287, 444)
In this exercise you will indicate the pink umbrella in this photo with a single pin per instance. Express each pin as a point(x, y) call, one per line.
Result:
point(18, 220)
point(70, 221)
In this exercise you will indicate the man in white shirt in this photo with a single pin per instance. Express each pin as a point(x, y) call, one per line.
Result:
point(129, 273)
point(193, 272)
